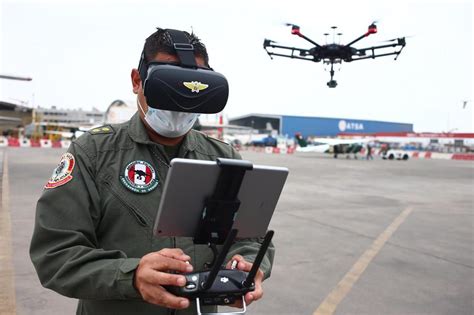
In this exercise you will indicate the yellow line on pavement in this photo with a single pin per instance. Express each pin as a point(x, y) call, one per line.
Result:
point(7, 291)
point(329, 305)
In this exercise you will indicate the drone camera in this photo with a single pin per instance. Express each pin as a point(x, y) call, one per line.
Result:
point(332, 83)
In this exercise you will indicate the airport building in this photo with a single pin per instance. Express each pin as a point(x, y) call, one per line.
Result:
point(76, 117)
point(13, 117)
point(316, 126)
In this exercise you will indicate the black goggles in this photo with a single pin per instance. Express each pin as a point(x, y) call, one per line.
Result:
point(183, 86)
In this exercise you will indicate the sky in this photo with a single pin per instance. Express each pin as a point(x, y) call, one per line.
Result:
point(80, 55)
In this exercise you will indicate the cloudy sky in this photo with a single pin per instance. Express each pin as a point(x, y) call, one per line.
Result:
point(80, 54)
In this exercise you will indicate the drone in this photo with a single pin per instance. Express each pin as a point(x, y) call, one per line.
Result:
point(334, 53)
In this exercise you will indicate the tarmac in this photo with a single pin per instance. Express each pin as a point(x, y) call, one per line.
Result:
point(352, 236)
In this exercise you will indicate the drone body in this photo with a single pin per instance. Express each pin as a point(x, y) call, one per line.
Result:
point(334, 53)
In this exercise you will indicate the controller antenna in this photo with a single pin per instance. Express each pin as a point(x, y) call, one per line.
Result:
point(258, 260)
point(220, 259)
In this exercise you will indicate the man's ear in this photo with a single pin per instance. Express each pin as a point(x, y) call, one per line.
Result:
point(136, 81)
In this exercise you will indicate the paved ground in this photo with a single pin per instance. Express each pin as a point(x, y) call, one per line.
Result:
point(352, 236)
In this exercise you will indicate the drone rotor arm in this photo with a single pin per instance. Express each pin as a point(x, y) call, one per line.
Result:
point(292, 56)
point(371, 30)
point(363, 51)
point(309, 40)
point(380, 47)
point(295, 30)
point(357, 39)
point(373, 56)
point(285, 47)
point(301, 53)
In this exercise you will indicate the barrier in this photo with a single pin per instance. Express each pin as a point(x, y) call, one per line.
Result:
point(441, 156)
point(45, 143)
point(463, 156)
point(13, 142)
point(64, 144)
point(35, 143)
point(3, 142)
point(25, 143)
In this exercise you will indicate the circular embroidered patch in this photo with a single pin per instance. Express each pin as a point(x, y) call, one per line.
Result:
point(139, 177)
point(62, 173)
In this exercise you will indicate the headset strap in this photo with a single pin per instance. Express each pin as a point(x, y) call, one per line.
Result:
point(142, 67)
point(184, 49)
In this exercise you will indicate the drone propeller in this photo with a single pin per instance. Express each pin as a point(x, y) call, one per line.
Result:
point(396, 39)
point(293, 26)
point(389, 40)
point(268, 42)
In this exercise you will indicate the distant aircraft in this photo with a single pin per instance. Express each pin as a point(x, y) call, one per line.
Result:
point(335, 146)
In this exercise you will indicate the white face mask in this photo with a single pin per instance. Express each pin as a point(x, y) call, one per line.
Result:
point(167, 123)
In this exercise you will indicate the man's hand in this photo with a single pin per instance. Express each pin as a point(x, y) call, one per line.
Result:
point(244, 265)
point(153, 273)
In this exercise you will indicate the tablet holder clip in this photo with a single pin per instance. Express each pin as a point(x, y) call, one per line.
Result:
point(220, 209)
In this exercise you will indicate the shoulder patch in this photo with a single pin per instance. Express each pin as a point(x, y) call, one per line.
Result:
point(62, 173)
point(102, 130)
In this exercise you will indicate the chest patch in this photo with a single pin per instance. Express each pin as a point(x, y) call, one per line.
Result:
point(140, 177)
point(62, 173)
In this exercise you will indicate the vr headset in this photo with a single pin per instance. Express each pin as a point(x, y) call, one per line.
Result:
point(183, 86)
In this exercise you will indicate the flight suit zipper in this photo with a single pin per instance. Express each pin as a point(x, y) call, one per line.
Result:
point(134, 211)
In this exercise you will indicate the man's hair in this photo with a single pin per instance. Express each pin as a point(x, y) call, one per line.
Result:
point(160, 41)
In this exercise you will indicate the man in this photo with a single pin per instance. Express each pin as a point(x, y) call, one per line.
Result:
point(369, 152)
point(93, 236)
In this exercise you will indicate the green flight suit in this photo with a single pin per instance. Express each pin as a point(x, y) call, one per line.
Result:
point(91, 232)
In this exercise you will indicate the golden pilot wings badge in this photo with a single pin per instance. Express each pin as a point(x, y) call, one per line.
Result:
point(195, 86)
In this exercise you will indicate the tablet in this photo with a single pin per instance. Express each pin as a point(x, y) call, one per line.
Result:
point(190, 182)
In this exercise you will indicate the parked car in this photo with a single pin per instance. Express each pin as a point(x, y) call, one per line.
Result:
point(395, 155)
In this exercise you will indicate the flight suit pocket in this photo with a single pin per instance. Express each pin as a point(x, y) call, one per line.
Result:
point(133, 210)
point(123, 226)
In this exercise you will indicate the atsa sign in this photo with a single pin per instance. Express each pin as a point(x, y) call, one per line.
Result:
point(350, 126)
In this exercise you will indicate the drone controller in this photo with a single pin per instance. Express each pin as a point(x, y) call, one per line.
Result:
point(220, 286)
point(226, 289)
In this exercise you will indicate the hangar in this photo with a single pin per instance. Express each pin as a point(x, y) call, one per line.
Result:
point(13, 116)
point(316, 126)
